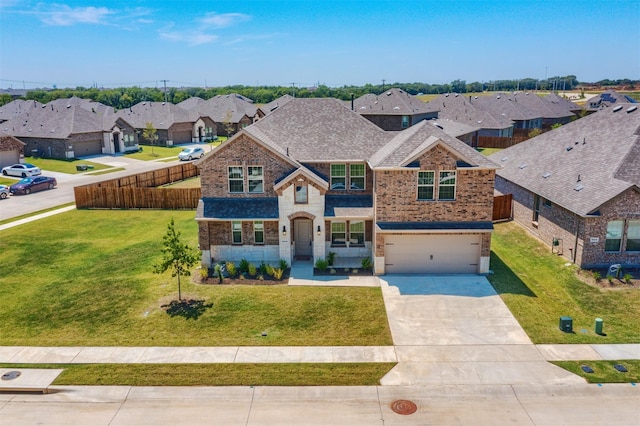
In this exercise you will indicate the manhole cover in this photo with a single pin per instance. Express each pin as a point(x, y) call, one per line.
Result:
point(404, 407)
point(11, 375)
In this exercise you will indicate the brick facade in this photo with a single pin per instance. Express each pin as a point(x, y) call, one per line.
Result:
point(241, 152)
point(397, 192)
point(580, 239)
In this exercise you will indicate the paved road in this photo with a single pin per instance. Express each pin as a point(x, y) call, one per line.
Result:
point(24, 204)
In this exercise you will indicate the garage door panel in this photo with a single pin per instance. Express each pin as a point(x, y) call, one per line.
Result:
point(435, 254)
point(83, 149)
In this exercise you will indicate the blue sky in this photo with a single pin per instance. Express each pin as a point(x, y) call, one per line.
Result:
point(114, 43)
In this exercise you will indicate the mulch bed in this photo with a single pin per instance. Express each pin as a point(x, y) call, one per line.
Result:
point(247, 280)
point(615, 284)
point(346, 272)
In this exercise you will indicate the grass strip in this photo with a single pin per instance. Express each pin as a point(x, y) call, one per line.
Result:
point(24, 216)
point(603, 371)
point(313, 374)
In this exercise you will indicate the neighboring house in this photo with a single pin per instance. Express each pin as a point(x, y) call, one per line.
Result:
point(61, 130)
point(470, 111)
point(506, 105)
point(228, 113)
point(577, 187)
point(467, 134)
point(16, 108)
point(610, 98)
point(394, 109)
point(314, 177)
point(11, 149)
point(275, 104)
point(174, 125)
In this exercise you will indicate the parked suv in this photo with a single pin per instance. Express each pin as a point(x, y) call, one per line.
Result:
point(191, 153)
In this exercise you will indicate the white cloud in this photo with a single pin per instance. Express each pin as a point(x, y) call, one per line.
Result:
point(193, 38)
point(63, 15)
point(223, 20)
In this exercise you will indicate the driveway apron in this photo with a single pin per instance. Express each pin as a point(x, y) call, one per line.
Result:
point(455, 329)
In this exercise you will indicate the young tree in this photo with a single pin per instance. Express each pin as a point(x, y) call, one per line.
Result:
point(150, 134)
point(178, 257)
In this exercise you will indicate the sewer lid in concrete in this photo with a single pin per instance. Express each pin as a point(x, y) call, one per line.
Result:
point(10, 375)
point(404, 407)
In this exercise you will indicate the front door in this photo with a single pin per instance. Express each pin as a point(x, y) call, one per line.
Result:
point(302, 235)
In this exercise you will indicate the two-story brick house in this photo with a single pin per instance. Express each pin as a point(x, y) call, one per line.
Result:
point(314, 177)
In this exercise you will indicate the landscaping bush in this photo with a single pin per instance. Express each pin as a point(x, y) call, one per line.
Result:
point(244, 266)
point(366, 263)
point(321, 264)
point(597, 276)
point(251, 268)
point(283, 264)
point(231, 269)
point(331, 257)
point(627, 278)
point(277, 273)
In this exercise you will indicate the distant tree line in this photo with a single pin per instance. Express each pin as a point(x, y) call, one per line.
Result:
point(125, 97)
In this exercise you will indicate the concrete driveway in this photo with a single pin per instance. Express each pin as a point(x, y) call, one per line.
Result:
point(455, 329)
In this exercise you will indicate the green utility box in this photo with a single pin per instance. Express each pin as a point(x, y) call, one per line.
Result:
point(599, 324)
point(566, 324)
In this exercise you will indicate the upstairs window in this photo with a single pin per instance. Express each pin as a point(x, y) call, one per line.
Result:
point(447, 186)
point(236, 232)
point(633, 236)
point(236, 179)
point(338, 176)
point(425, 185)
point(258, 232)
point(356, 233)
point(256, 179)
point(614, 235)
point(405, 121)
point(356, 176)
point(301, 194)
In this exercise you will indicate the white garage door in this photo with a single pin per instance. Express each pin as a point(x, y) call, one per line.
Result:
point(432, 254)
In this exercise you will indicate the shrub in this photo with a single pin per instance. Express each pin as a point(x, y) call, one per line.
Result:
point(263, 268)
point(261, 277)
point(610, 278)
point(277, 273)
point(597, 276)
point(231, 269)
point(251, 269)
point(331, 257)
point(366, 263)
point(269, 270)
point(535, 132)
point(283, 264)
point(332, 271)
point(321, 264)
point(218, 271)
point(627, 278)
point(204, 273)
point(244, 265)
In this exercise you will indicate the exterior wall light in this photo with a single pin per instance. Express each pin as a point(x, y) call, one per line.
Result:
point(284, 231)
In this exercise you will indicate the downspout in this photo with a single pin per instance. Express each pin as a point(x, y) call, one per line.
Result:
point(575, 243)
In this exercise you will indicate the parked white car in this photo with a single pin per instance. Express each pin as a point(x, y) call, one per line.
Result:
point(21, 170)
point(191, 153)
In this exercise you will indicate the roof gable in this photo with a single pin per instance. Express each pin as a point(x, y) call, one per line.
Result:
point(391, 102)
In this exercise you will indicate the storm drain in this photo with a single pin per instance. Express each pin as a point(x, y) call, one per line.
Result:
point(404, 407)
point(10, 375)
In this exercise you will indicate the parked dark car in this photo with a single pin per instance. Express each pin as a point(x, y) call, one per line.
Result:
point(33, 184)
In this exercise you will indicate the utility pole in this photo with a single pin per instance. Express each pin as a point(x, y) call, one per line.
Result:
point(383, 80)
point(165, 89)
point(293, 90)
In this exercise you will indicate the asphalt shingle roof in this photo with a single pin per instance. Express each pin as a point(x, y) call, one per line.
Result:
point(16, 108)
point(391, 102)
point(586, 162)
point(239, 208)
point(161, 114)
point(351, 206)
point(467, 110)
point(221, 108)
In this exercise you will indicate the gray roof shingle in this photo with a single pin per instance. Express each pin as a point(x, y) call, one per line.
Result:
point(586, 162)
point(350, 206)
point(391, 102)
point(239, 208)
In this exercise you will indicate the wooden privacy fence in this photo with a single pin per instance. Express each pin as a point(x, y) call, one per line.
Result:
point(140, 191)
point(499, 142)
point(502, 207)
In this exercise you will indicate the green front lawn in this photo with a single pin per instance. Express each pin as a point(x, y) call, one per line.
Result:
point(85, 278)
point(540, 287)
point(63, 166)
point(603, 371)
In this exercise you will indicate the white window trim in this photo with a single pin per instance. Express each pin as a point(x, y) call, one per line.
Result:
point(233, 231)
point(295, 194)
point(363, 232)
point(455, 185)
point(619, 249)
point(249, 179)
point(345, 232)
point(332, 176)
point(433, 186)
point(364, 176)
point(230, 179)
point(256, 230)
